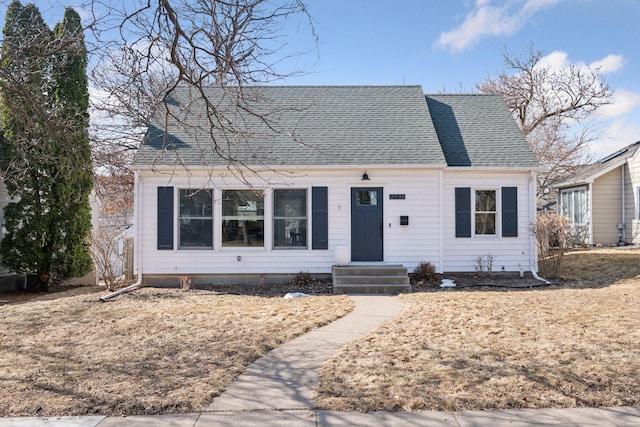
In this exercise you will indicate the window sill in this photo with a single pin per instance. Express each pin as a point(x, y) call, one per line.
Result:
point(210, 248)
point(242, 248)
point(290, 248)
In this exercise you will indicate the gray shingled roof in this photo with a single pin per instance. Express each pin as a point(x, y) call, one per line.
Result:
point(478, 130)
point(588, 172)
point(315, 125)
point(337, 125)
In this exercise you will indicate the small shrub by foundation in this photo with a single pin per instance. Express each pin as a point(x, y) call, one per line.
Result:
point(425, 274)
point(302, 278)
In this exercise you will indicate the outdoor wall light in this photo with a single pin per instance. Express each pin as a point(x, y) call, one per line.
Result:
point(365, 176)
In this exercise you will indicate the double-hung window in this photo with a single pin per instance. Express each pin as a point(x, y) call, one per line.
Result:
point(196, 219)
point(573, 205)
point(290, 218)
point(242, 218)
point(485, 212)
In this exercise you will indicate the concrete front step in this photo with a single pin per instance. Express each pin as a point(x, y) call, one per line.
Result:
point(373, 280)
point(370, 279)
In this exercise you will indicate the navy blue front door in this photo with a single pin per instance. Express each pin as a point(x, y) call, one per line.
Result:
point(366, 224)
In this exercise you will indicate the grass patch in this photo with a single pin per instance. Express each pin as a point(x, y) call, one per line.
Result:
point(564, 346)
point(146, 352)
point(600, 267)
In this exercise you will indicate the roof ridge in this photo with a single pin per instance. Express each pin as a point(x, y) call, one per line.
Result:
point(307, 86)
point(462, 94)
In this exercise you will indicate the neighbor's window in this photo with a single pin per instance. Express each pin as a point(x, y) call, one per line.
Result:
point(573, 205)
point(242, 218)
point(289, 218)
point(196, 219)
point(485, 212)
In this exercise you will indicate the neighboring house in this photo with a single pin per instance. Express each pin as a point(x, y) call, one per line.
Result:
point(602, 200)
point(358, 175)
point(112, 222)
point(8, 280)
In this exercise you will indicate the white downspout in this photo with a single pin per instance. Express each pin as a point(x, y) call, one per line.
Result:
point(590, 211)
point(441, 225)
point(623, 221)
point(137, 252)
point(533, 249)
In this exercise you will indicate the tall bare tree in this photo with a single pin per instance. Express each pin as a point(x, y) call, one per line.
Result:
point(163, 44)
point(553, 108)
point(139, 50)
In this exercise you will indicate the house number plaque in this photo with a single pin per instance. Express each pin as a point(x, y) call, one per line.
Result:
point(397, 196)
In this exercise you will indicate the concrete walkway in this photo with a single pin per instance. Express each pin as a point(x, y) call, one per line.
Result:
point(277, 390)
point(583, 417)
point(286, 377)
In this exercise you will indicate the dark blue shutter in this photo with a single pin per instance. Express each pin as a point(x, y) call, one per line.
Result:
point(463, 212)
point(509, 211)
point(165, 218)
point(319, 218)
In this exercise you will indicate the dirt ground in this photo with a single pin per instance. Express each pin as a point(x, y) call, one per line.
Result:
point(150, 351)
point(482, 346)
point(576, 344)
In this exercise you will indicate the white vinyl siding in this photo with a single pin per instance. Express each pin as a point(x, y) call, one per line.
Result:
point(607, 207)
point(512, 253)
point(426, 197)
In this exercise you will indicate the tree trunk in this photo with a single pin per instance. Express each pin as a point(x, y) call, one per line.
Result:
point(42, 281)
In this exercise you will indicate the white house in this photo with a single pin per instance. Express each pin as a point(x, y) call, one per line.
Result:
point(373, 175)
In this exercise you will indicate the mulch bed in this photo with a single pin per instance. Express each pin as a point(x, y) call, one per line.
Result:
point(470, 281)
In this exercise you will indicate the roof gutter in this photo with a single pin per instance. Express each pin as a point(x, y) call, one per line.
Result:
point(494, 168)
point(292, 168)
point(303, 168)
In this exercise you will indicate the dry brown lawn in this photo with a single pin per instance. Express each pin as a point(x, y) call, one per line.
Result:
point(145, 352)
point(562, 346)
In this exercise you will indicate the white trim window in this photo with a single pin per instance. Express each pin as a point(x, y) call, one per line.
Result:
point(242, 218)
point(195, 219)
point(485, 212)
point(290, 218)
point(573, 205)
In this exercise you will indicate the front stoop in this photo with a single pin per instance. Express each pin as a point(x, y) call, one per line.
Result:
point(370, 279)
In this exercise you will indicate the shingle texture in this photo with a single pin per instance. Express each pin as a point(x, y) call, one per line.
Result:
point(302, 126)
point(588, 172)
point(333, 126)
point(478, 130)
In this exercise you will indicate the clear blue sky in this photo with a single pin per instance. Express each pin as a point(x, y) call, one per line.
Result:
point(452, 45)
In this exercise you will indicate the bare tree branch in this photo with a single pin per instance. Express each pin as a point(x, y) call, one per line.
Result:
point(166, 44)
point(548, 105)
